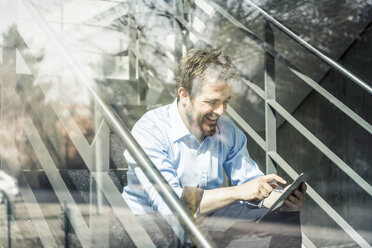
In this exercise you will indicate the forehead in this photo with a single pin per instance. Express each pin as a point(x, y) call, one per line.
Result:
point(215, 89)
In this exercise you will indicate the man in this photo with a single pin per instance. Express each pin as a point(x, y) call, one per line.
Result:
point(192, 143)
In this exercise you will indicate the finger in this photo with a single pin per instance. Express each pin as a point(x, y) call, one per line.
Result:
point(264, 191)
point(274, 184)
point(267, 187)
point(259, 196)
point(295, 200)
point(290, 204)
point(303, 187)
point(274, 177)
point(299, 194)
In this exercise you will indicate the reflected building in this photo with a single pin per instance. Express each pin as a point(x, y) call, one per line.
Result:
point(60, 59)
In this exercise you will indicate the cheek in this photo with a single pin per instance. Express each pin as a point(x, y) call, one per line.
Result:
point(206, 109)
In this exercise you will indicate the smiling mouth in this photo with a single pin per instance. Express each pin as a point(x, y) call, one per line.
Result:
point(211, 118)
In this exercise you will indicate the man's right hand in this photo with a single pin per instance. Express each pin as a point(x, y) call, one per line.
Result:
point(258, 188)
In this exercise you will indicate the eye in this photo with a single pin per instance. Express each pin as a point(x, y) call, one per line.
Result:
point(211, 103)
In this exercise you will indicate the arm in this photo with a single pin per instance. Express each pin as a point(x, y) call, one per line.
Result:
point(151, 140)
point(246, 178)
point(256, 189)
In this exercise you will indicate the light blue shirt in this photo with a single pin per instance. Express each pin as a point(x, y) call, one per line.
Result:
point(182, 160)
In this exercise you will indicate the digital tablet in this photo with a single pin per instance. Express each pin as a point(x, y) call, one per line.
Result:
point(279, 202)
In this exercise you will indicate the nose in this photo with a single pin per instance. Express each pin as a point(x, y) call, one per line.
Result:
point(220, 109)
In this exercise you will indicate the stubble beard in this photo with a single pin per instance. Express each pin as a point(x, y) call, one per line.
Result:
point(206, 129)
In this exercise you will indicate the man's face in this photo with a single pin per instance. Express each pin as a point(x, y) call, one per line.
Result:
point(207, 106)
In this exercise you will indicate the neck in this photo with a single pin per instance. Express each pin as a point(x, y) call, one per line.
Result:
point(191, 125)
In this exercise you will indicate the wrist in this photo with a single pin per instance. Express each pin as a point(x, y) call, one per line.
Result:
point(236, 196)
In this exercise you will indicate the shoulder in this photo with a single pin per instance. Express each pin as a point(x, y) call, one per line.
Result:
point(153, 119)
point(230, 134)
point(227, 127)
point(152, 125)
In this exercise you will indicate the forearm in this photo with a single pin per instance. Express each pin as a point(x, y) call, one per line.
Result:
point(255, 189)
point(215, 199)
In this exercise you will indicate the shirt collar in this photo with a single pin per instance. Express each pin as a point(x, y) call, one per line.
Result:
point(179, 129)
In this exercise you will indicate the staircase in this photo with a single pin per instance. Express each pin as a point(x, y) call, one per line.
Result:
point(75, 77)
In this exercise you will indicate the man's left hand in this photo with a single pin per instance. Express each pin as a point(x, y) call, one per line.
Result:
point(296, 199)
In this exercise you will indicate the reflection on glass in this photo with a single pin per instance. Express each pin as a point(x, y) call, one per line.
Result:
point(65, 168)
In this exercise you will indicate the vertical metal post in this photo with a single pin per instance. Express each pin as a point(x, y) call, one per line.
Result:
point(66, 225)
point(99, 222)
point(178, 36)
point(9, 216)
point(131, 46)
point(270, 113)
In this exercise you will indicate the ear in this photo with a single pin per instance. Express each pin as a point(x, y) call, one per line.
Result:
point(183, 95)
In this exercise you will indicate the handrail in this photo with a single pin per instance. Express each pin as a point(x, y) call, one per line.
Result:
point(346, 110)
point(322, 203)
point(313, 50)
point(323, 148)
point(144, 162)
point(342, 107)
point(306, 45)
point(9, 214)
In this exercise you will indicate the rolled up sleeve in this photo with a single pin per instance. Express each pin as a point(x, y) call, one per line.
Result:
point(192, 196)
point(149, 139)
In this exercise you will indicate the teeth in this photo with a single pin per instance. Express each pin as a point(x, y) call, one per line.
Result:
point(212, 118)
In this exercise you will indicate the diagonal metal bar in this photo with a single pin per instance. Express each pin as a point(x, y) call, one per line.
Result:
point(307, 242)
point(42, 228)
point(257, 138)
point(294, 70)
point(53, 175)
point(55, 179)
point(229, 17)
point(313, 50)
point(253, 86)
point(295, 37)
point(323, 148)
point(66, 119)
point(128, 220)
point(153, 174)
point(322, 203)
point(346, 110)
point(74, 132)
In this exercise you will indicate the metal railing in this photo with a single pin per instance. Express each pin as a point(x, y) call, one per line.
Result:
point(143, 161)
point(9, 212)
point(272, 107)
point(313, 50)
point(270, 49)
